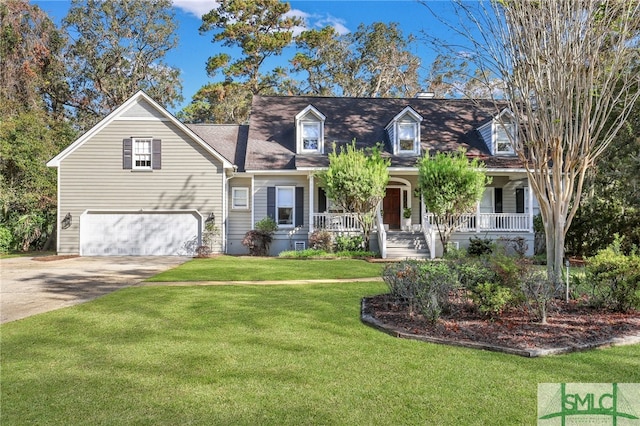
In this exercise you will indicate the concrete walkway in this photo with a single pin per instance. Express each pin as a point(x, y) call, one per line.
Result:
point(29, 286)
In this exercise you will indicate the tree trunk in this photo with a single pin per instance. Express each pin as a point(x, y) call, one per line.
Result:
point(52, 237)
point(555, 236)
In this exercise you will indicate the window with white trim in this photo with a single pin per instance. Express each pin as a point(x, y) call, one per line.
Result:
point(310, 131)
point(285, 204)
point(310, 135)
point(240, 198)
point(503, 132)
point(142, 153)
point(403, 132)
point(407, 137)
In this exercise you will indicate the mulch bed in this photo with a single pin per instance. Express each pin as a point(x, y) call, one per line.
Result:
point(570, 326)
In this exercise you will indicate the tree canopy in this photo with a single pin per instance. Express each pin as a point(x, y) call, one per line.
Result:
point(54, 81)
point(32, 124)
point(451, 185)
point(356, 182)
point(374, 61)
point(117, 48)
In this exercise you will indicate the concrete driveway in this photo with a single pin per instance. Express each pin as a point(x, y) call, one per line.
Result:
point(30, 286)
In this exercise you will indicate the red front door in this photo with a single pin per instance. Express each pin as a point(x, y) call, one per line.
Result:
point(391, 208)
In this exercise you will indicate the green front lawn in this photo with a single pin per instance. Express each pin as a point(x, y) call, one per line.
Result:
point(231, 268)
point(269, 355)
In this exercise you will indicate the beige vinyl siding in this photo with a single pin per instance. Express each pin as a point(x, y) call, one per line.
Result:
point(239, 221)
point(142, 109)
point(284, 238)
point(92, 178)
point(509, 197)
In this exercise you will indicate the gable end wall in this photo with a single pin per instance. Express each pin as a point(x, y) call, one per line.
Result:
point(92, 177)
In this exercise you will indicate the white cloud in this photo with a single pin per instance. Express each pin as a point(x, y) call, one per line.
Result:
point(200, 7)
point(196, 7)
point(337, 23)
point(298, 13)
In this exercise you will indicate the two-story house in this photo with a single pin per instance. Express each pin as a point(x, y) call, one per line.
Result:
point(140, 182)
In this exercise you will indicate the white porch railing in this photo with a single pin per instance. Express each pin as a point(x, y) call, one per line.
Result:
point(489, 222)
point(382, 235)
point(430, 237)
point(338, 222)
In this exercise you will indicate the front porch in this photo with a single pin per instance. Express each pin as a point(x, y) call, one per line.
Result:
point(506, 210)
point(486, 225)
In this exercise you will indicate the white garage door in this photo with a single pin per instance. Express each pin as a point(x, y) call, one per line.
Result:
point(139, 234)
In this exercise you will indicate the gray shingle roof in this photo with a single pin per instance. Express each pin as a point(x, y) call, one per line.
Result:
point(447, 125)
point(229, 140)
point(269, 141)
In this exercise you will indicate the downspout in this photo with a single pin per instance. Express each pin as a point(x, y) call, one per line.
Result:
point(225, 209)
point(58, 227)
point(311, 202)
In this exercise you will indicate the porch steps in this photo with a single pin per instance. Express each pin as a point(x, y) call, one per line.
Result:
point(406, 245)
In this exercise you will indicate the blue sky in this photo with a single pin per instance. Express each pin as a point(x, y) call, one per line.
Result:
point(193, 50)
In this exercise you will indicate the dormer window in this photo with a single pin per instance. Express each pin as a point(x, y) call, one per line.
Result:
point(504, 133)
point(310, 135)
point(310, 130)
point(404, 132)
point(407, 137)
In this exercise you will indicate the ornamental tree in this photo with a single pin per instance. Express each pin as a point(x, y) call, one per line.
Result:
point(569, 72)
point(356, 181)
point(451, 186)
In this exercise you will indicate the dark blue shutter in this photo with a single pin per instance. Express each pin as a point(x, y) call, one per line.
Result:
point(322, 200)
point(519, 200)
point(271, 202)
point(156, 151)
point(127, 154)
point(299, 219)
point(497, 200)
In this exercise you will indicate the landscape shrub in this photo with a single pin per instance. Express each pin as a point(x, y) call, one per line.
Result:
point(203, 251)
point(423, 286)
point(349, 243)
point(304, 254)
point(517, 244)
point(472, 271)
point(267, 225)
point(488, 279)
point(314, 253)
point(490, 298)
point(321, 240)
point(6, 239)
point(480, 246)
point(259, 239)
point(538, 291)
point(356, 254)
point(615, 278)
point(508, 270)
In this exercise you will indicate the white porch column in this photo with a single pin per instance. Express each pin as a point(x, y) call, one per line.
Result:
point(311, 202)
point(530, 201)
point(478, 217)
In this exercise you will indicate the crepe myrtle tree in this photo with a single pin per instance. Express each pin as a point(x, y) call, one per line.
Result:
point(356, 181)
point(569, 72)
point(451, 185)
